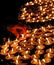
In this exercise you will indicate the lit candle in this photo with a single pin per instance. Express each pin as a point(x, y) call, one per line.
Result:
point(40, 47)
point(4, 52)
point(28, 35)
point(28, 31)
point(25, 52)
point(48, 41)
point(12, 51)
point(35, 30)
point(22, 35)
point(39, 51)
point(31, 3)
point(47, 34)
point(5, 46)
point(8, 56)
point(47, 60)
point(40, 62)
point(20, 49)
point(43, 29)
point(43, 60)
point(9, 42)
point(35, 61)
point(49, 50)
point(17, 62)
point(48, 55)
point(16, 40)
point(17, 57)
point(32, 39)
point(14, 44)
point(26, 56)
point(27, 4)
point(35, 56)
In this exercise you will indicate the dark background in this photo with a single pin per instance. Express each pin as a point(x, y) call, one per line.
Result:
point(9, 16)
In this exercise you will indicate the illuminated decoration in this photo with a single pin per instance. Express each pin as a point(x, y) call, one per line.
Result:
point(37, 11)
point(38, 38)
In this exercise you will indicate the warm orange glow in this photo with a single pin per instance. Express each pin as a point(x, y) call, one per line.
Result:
point(37, 11)
point(26, 42)
point(15, 28)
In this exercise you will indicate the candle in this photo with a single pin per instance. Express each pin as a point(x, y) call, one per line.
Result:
point(20, 50)
point(17, 62)
point(41, 40)
point(47, 60)
point(8, 56)
point(25, 52)
point(48, 41)
point(32, 39)
point(36, 56)
point(28, 35)
point(18, 57)
point(47, 34)
point(44, 29)
point(48, 55)
point(4, 52)
point(22, 35)
point(39, 51)
point(9, 41)
point(43, 60)
point(50, 26)
point(14, 44)
point(31, 3)
point(26, 56)
point(40, 62)
point(35, 30)
point(16, 40)
point(27, 4)
point(34, 61)
point(5, 46)
point(40, 46)
point(49, 50)
point(28, 31)
point(12, 51)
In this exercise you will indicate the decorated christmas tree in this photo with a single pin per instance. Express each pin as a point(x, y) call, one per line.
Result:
point(35, 44)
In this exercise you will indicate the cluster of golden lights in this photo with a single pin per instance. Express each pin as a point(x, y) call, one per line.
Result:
point(38, 37)
point(37, 11)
